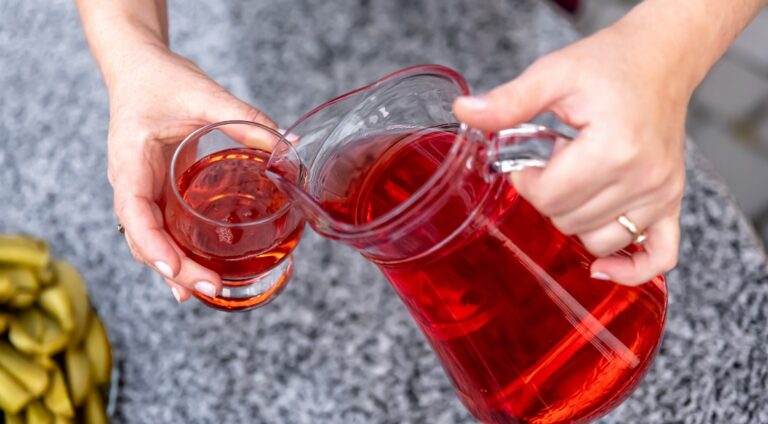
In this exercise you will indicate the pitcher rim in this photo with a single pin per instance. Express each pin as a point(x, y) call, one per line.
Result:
point(345, 230)
point(430, 68)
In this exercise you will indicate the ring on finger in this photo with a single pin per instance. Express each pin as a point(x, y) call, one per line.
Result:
point(638, 237)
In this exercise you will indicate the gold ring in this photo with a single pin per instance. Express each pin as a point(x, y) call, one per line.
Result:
point(120, 228)
point(638, 236)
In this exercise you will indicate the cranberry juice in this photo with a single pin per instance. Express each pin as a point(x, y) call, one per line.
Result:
point(523, 332)
point(231, 192)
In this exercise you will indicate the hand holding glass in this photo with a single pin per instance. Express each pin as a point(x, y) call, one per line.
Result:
point(226, 215)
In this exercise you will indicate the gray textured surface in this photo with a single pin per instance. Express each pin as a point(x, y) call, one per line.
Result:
point(337, 347)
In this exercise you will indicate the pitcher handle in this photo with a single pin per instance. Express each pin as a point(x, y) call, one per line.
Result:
point(531, 145)
point(527, 145)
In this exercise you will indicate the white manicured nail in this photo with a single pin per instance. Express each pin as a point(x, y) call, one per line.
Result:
point(206, 288)
point(176, 294)
point(601, 276)
point(164, 269)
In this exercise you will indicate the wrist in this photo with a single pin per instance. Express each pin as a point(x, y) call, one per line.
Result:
point(121, 63)
point(684, 38)
point(119, 32)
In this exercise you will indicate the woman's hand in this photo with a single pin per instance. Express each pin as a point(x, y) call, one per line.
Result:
point(156, 99)
point(629, 106)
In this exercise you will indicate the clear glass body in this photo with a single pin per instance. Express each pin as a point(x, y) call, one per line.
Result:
point(505, 300)
point(226, 215)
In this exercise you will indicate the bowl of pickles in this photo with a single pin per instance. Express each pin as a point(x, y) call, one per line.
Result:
point(55, 356)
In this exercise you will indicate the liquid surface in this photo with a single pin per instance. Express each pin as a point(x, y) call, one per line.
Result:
point(524, 333)
point(230, 189)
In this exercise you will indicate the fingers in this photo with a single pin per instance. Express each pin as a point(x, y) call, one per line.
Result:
point(149, 243)
point(251, 135)
point(606, 206)
point(226, 107)
point(195, 277)
point(190, 277)
point(658, 256)
point(613, 236)
point(180, 293)
point(514, 102)
point(565, 184)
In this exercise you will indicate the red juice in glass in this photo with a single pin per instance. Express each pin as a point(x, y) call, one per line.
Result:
point(226, 215)
point(230, 186)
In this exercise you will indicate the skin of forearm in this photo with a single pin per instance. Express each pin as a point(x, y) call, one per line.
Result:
point(686, 37)
point(119, 30)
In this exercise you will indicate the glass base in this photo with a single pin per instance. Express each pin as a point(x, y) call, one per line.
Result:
point(243, 295)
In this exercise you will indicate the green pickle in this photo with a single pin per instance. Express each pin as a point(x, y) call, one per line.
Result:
point(78, 374)
point(55, 356)
point(7, 289)
point(94, 409)
point(45, 274)
point(57, 398)
point(45, 361)
point(69, 279)
point(34, 333)
point(97, 350)
point(22, 250)
point(31, 375)
point(13, 396)
point(25, 285)
point(37, 413)
point(56, 302)
point(58, 419)
point(14, 419)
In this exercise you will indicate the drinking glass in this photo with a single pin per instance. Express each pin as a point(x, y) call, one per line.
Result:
point(226, 215)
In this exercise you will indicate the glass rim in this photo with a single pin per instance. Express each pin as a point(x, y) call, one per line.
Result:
point(195, 135)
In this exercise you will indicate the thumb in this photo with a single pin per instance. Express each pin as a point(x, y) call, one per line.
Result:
point(229, 108)
point(514, 102)
point(226, 107)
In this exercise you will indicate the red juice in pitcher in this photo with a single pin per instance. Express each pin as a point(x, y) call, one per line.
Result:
point(507, 302)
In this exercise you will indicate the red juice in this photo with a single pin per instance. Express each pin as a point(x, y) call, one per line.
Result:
point(229, 189)
point(523, 332)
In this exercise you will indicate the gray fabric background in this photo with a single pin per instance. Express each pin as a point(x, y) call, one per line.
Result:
point(337, 347)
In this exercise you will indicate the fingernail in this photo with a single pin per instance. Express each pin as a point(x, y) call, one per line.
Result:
point(601, 276)
point(176, 294)
point(473, 102)
point(164, 269)
point(515, 177)
point(206, 288)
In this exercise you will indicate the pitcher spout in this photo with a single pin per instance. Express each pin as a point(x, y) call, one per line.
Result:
point(408, 100)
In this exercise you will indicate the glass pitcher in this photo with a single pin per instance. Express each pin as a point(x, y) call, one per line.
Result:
point(506, 301)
